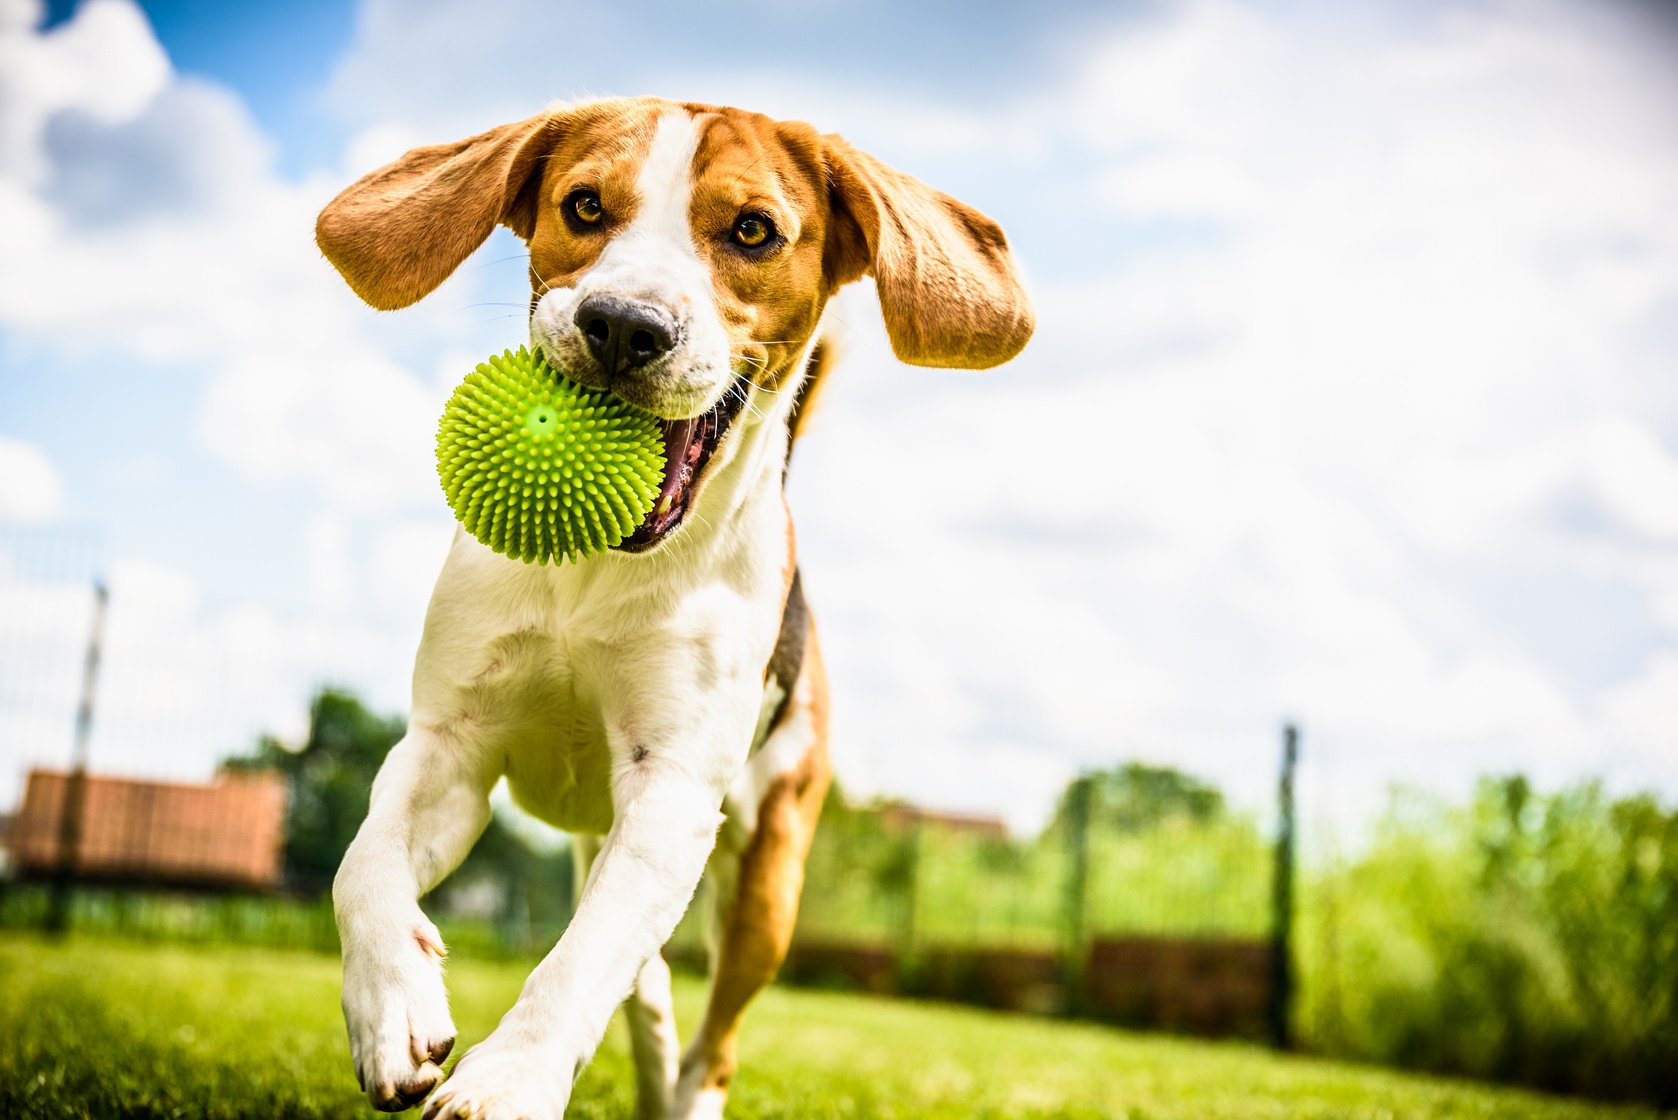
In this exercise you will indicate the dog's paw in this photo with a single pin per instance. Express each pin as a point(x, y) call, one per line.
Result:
point(498, 1081)
point(397, 1012)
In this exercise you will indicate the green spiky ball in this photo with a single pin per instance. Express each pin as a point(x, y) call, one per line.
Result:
point(540, 468)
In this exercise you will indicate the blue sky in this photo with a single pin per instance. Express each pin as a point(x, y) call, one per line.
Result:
point(276, 55)
point(1354, 381)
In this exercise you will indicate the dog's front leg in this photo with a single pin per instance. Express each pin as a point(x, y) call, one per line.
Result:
point(430, 803)
point(666, 815)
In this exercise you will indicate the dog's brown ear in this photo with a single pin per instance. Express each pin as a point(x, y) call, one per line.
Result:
point(947, 284)
point(397, 233)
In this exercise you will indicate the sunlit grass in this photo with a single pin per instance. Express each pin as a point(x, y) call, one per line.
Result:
point(99, 1028)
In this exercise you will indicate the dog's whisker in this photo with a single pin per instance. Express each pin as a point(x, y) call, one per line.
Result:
point(749, 166)
point(752, 410)
point(499, 260)
point(737, 393)
point(756, 410)
point(765, 368)
point(759, 386)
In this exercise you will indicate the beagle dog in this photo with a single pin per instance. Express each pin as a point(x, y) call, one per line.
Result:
point(663, 701)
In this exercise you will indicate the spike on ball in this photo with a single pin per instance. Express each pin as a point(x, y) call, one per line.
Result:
point(540, 468)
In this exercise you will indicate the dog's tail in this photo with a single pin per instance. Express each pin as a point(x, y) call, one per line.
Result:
point(822, 357)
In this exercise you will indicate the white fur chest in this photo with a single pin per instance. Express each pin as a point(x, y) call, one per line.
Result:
point(552, 676)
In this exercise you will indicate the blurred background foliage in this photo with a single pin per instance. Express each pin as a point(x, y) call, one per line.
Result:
point(505, 880)
point(1521, 934)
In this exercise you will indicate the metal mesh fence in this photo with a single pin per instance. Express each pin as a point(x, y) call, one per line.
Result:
point(46, 612)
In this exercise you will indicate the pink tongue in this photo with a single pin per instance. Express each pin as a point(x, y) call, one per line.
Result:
point(678, 434)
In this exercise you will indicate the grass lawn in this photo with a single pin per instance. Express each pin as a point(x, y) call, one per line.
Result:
point(107, 1029)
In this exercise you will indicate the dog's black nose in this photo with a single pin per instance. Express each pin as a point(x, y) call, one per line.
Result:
point(624, 333)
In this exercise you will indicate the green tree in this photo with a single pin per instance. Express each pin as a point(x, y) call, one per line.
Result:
point(1134, 798)
point(328, 781)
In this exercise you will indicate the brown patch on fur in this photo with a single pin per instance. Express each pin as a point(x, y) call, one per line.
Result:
point(804, 405)
point(770, 301)
point(947, 285)
point(790, 568)
point(602, 150)
point(760, 923)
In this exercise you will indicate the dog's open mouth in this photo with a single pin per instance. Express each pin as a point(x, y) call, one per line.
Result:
point(688, 447)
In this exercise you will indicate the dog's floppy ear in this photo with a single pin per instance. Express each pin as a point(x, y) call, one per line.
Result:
point(947, 285)
point(397, 233)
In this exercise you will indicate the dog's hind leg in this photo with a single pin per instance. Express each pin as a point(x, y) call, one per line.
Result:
point(755, 895)
point(652, 1036)
point(649, 1010)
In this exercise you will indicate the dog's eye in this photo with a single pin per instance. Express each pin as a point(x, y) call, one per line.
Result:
point(753, 231)
point(585, 207)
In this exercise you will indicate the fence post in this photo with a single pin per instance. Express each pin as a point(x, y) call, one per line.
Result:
point(1074, 915)
point(1281, 930)
point(75, 784)
point(910, 935)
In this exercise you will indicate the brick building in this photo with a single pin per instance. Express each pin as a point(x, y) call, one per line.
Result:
point(229, 833)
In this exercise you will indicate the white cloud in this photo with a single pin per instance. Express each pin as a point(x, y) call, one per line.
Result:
point(30, 488)
point(1264, 470)
point(146, 221)
point(1642, 717)
point(404, 558)
point(1385, 371)
point(329, 560)
point(494, 77)
point(1252, 469)
point(356, 426)
point(43, 75)
point(163, 189)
